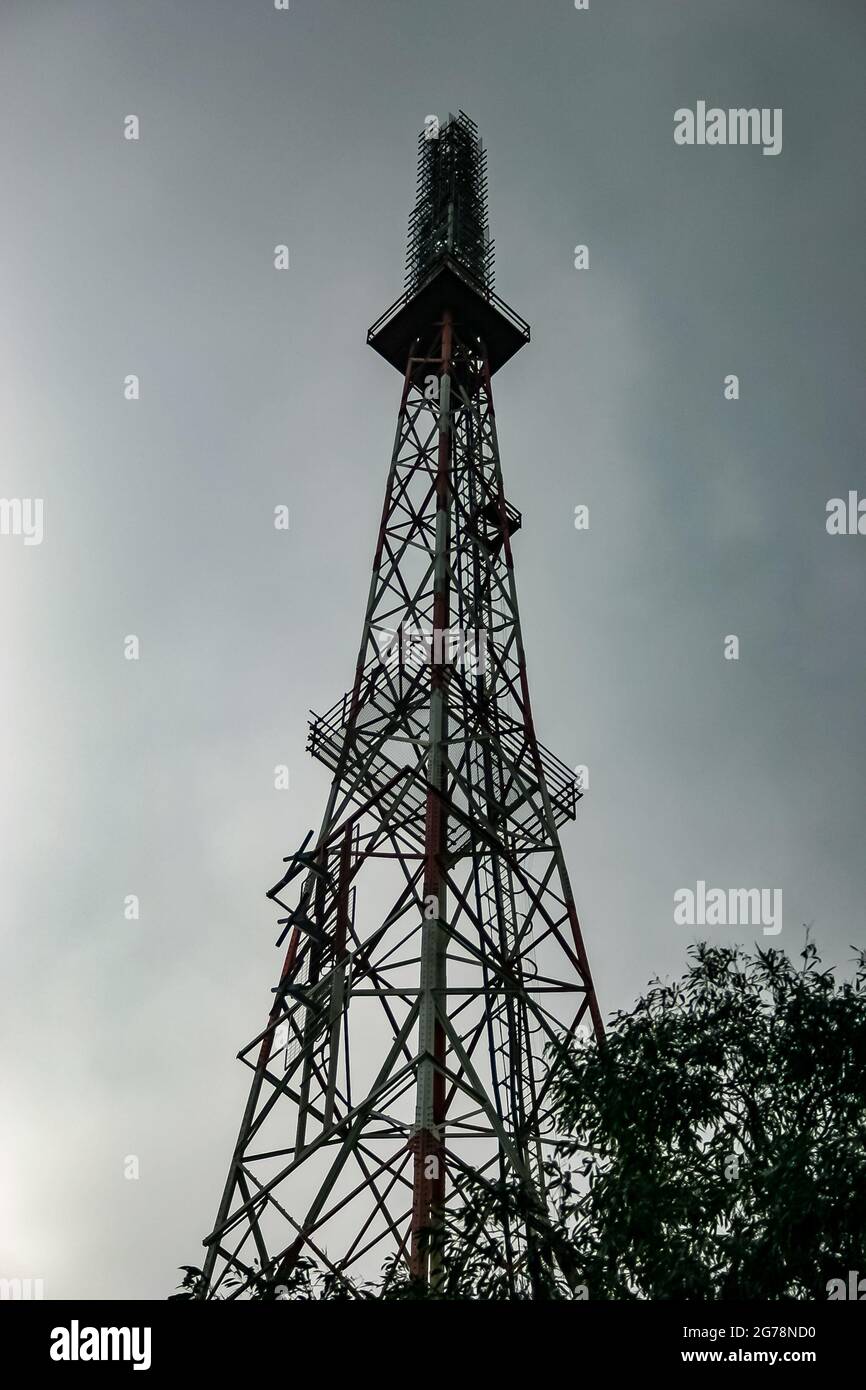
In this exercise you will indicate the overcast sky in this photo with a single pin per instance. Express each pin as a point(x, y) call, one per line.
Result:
point(707, 516)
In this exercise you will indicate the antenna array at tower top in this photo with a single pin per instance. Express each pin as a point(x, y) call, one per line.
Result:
point(449, 220)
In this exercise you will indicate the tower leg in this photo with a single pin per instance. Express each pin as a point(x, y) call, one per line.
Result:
point(428, 1140)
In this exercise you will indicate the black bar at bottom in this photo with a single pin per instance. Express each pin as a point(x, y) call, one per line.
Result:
point(233, 1340)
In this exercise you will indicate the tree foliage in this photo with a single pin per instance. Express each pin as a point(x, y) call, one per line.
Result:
point(726, 1123)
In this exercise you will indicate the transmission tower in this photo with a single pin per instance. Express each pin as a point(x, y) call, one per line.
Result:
point(435, 970)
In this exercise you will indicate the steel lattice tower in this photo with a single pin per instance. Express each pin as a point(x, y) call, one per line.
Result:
point(435, 968)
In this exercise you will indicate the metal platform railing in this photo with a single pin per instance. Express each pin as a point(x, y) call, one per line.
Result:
point(327, 734)
point(486, 294)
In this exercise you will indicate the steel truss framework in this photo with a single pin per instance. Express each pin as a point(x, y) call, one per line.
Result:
point(435, 968)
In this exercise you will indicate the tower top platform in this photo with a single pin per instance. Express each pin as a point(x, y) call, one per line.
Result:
point(477, 314)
